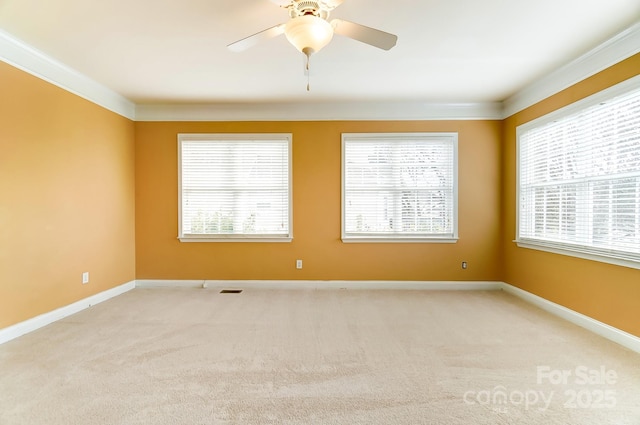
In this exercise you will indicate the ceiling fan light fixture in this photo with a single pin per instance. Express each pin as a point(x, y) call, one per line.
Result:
point(308, 33)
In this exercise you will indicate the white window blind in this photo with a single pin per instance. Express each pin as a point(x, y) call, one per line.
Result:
point(235, 187)
point(399, 187)
point(579, 179)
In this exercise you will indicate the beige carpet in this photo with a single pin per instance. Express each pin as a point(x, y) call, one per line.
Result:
point(195, 356)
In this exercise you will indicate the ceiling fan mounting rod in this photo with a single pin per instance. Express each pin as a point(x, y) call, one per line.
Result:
point(307, 7)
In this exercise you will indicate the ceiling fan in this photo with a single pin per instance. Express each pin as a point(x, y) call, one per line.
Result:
point(309, 29)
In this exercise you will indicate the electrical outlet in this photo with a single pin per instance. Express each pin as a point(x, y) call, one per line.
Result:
point(298, 264)
point(464, 265)
point(85, 278)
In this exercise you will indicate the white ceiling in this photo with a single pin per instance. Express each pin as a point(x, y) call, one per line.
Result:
point(174, 52)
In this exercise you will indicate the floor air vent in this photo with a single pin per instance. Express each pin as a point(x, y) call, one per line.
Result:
point(231, 291)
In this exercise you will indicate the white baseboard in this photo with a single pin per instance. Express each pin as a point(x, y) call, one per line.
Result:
point(322, 284)
point(616, 335)
point(30, 325)
point(157, 283)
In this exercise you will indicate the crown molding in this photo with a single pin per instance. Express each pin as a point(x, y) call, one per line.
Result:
point(620, 47)
point(22, 56)
point(347, 111)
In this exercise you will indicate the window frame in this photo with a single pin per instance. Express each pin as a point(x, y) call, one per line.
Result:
point(351, 237)
point(619, 258)
point(230, 137)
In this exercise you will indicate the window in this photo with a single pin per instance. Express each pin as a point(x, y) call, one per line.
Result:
point(234, 187)
point(399, 187)
point(579, 178)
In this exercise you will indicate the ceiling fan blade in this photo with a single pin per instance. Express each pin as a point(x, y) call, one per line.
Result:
point(332, 4)
point(254, 39)
point(380, 39)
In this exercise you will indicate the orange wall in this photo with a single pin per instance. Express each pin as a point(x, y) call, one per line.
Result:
point(608, 293)
point(316, 210)
point(66, 197)
point(83, 189)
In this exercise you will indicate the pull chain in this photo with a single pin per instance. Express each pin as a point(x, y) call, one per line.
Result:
point(308, 74)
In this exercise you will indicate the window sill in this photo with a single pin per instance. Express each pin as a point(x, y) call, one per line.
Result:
point(632, 261)
point(234, 238)
point(379, 239)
